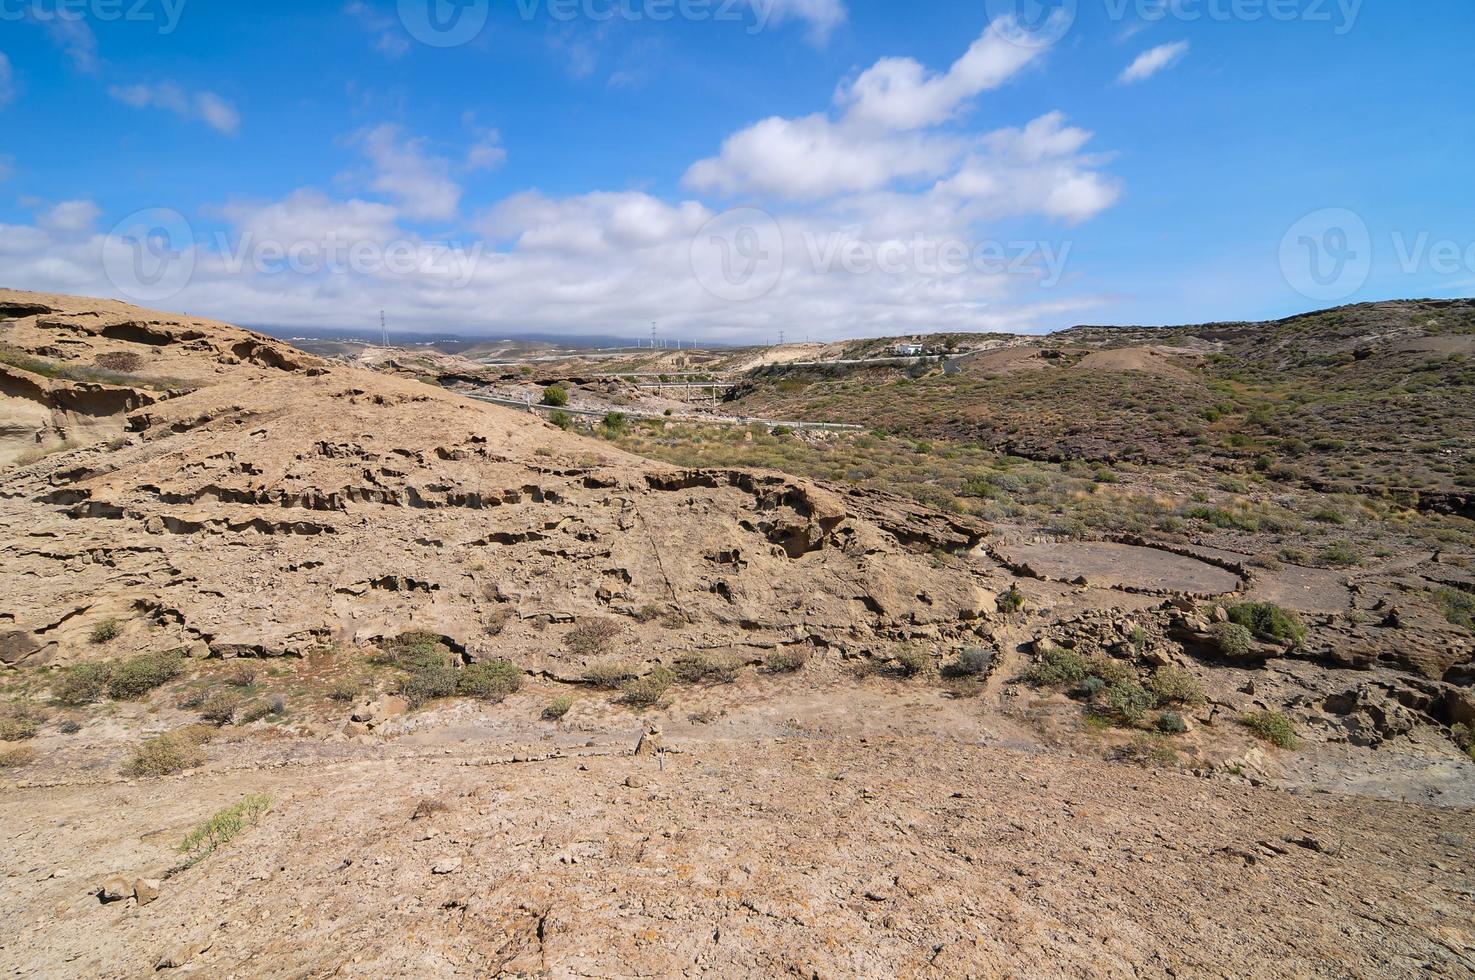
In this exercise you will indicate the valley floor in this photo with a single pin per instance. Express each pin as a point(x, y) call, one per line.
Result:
point(825, 834)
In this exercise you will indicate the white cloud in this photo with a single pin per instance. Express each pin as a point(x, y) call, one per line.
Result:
point(822, 16)
point(218, 114)
point(70, 217)
point(7, 81)
point(487, 153)
point(419, 182)
point(813, 158)
point(900, 94)
point(1034, 170)
point(207, 107)
point(389, 36)
point(308, 215)
point(74, 36)
point(882, 135)
point(1151, 62)
point(892, 169)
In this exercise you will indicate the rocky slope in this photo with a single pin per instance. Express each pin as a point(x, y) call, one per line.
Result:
point(284, 503)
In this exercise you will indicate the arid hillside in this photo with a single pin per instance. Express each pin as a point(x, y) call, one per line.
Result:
point(312, 670)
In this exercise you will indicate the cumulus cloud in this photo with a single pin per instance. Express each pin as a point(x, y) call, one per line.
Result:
point(1150, 62)
point(308, 215)
point(900, 94)
point(883, 217)
point(69, 217)
point(886, 130)
point(207, 107)
point(419, 182)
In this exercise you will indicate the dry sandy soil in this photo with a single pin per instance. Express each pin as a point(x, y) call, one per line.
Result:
point(266, 511)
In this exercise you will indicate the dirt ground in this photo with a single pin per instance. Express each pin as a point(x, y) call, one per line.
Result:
point(835, 829)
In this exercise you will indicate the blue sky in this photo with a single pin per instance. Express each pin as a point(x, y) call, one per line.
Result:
point(734, 169)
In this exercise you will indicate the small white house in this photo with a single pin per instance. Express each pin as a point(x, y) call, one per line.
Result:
point(908, 350)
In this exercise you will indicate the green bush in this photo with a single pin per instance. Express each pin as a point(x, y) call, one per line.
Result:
point(1464, 737)
point(558, 707)
point(494, 680)
point(1089, 689)
point(1058, 666)
point(345, 691)
point(1272, 726)
point(1232, 639)
point(555, 395)
point(105, 632)
point(1171, 723)
point(1174, 685)
point(82, 684)
point(1269, 620)
point(224, 827)
point(650, 690)
point(1128, 701)
point(1012, 600)
point(135, 677)
point(617, 422)
point(563, 420)
point(1458, 607)
point(428, 682)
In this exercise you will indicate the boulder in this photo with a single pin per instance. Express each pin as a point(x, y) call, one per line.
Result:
point(115, 890)
point(145, 890)
point(650, 743)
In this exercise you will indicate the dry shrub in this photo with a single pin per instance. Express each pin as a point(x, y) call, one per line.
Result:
point(592, 636)
point(124, 360)
point(167, 754)
point(609, 674)
point(15, 758)
point(786, 661)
